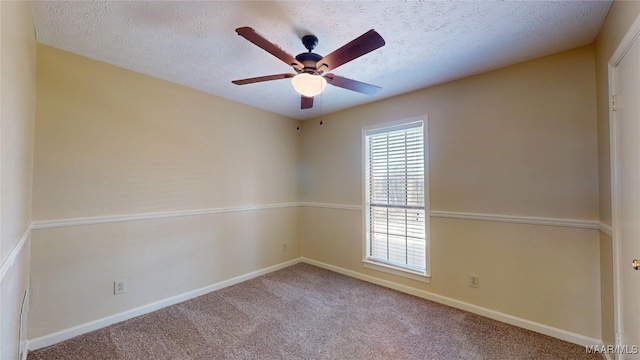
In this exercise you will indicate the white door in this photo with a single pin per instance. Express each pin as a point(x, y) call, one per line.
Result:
point(625, 136)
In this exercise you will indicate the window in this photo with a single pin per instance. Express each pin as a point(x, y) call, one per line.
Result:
point(395, 191)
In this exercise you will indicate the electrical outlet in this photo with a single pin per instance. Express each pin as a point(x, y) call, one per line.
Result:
point(119, 287)
point(474, 281)
point(284, 247)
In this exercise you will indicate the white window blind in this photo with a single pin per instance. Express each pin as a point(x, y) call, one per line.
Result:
point(395, 196)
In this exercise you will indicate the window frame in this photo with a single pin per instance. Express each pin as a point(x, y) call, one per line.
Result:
point(382, 266)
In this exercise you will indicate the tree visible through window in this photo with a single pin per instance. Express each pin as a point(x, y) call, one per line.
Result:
point(395, 196)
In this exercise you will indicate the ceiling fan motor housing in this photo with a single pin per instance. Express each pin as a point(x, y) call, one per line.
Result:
point(309, 60)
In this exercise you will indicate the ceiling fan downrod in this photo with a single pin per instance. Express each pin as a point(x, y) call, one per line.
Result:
point(309, 59)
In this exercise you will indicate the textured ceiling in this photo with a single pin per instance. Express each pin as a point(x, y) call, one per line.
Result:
point(194, 43)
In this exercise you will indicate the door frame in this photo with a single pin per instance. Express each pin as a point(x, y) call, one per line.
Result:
point(627, 42)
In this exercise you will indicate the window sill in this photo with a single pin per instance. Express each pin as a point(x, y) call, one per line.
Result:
point(389, 269)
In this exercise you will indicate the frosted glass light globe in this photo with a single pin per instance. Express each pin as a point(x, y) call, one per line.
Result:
point(309, 85)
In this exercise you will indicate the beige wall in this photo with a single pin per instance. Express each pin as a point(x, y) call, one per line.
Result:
point(518, 141)
point(18, 92)
point(619, 19)
point(18, 61)
point(113, 142)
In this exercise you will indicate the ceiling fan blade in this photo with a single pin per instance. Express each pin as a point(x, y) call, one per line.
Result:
point(354, 85)
point(273, 49)
point(361, 45)
point(306, 102)
point(262, 78)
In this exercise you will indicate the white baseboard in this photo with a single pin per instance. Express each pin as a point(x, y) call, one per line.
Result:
point(51, 339)
point(492, 314)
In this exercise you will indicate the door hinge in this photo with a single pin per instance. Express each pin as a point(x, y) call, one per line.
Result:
point(614, 103)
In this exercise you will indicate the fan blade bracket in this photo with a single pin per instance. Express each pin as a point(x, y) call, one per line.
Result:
point(319, 67)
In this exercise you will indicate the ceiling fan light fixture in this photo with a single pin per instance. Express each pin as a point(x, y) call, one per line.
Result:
point(309, 85)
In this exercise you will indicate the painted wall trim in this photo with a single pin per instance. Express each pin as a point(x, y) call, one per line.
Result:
point(332, 206)
point(50, 224)
point(622, 49)
point(25, 353)
point(51, 339)
point(572, 223)
point(23, 348)
point(605, 229)
point(10, 260)
point(492, 314)
point(531, 220)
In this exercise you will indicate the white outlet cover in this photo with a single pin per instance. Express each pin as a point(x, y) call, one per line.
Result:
point(119, 287)
point(474, 281)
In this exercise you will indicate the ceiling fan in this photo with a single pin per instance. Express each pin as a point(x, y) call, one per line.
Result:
point(312, 70)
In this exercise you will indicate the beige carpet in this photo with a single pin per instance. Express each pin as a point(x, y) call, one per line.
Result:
point(304, 312)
